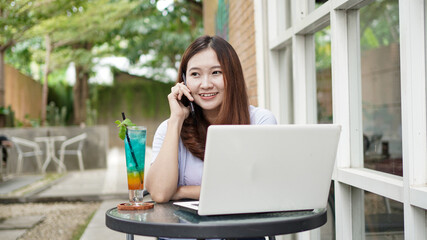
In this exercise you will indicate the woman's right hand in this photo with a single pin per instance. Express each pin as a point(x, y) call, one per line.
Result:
point(178, 109)
point(162, 179)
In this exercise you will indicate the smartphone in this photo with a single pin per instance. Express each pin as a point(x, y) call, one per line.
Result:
point(185, 100)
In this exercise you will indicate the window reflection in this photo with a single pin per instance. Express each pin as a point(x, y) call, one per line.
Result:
point(323, 75)
point(381, 101)
point(383, 218)
point(287, 5)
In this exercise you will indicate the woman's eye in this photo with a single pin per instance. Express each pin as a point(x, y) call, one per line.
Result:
point(216, 72)
point(194, 74)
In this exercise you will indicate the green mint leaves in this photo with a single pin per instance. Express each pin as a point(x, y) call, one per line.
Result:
point(123, 125)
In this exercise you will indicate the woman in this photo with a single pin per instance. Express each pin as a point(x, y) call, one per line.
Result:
point(216, 86)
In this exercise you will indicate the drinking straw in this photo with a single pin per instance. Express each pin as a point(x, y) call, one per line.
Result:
point(131, 149)
point(130, 145)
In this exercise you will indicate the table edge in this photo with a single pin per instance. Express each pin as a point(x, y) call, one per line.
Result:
point(178, 230)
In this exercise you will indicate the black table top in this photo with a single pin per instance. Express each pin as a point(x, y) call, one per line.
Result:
point(168, 220)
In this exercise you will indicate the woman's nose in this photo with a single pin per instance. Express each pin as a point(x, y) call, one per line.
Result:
point(206, 82)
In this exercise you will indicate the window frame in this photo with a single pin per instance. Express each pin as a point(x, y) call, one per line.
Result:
point(350, 178)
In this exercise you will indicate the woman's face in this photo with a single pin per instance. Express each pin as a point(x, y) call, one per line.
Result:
point(206, 82)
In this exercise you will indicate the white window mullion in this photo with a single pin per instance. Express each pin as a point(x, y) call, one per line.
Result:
point(273, 61)
point(286, 95)
point(355, 116)
point(302, 65)
point(340, 85)
point(262, 50)
point(310, 68)
point(418, 197)
point(413, 77)
point(298, 59)
point(318, 19)
point(274, 84)
point(346, 111)
point(304, 79)
point(301, 8)
point(343, 203)
point(272, 19)
point(355, 86)
point(307, 94)
point(413, 94)
point(384, 184)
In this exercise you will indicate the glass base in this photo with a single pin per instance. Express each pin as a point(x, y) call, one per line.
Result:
point(136, 196)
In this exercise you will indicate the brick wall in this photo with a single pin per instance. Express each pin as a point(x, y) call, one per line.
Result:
point(22, 93)
point(209, 11)
point(241, 37)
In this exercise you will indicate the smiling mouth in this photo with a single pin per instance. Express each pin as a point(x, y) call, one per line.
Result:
point(208, 94)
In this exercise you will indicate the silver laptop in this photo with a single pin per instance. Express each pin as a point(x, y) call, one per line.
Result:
point(266, 168)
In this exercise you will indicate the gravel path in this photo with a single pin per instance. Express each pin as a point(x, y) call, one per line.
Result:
point(61, 219)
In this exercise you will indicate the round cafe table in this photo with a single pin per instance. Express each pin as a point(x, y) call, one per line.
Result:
point(50, 151)
point(168, 220)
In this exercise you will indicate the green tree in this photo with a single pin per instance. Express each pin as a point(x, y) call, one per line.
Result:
point(162, 35)
point(71, 38)
point(17, 17)
point(96, 28)
point(379, 24)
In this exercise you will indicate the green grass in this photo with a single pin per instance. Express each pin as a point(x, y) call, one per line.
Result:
point(81, 228)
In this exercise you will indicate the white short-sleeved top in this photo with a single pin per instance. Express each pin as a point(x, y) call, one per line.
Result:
point(191, 167)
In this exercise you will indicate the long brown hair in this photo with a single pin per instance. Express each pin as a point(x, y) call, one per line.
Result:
point(235, 105)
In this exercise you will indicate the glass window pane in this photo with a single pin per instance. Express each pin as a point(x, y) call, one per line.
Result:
point(288, 13)
point(327, 231)
point(381, 101)
point(323, 75)
point(383, 218)
point(284, 15)
point(286, 86)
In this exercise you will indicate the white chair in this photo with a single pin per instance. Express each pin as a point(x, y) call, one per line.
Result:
point(62, 152)
point(34, 152)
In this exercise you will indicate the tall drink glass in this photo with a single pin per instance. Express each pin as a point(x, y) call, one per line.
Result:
point(135, 159)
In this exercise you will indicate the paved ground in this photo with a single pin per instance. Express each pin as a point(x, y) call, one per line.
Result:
point(108, 185)
point(14, 184)
point(114, 184)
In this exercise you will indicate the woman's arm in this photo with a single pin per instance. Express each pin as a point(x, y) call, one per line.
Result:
point(162, 179)
point(191, 192)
